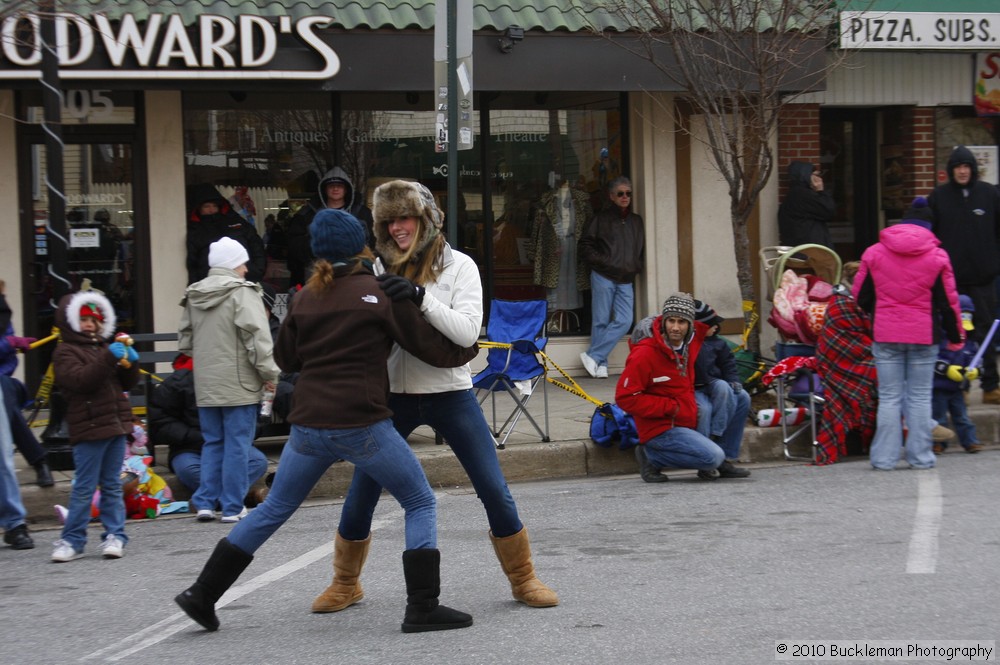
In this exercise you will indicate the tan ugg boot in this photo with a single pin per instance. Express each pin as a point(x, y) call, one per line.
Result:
point(514, 554)
point(345, 590)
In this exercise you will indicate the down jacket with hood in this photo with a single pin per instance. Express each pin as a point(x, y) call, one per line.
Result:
point(300, 254)
point(203, 230)
point(906, 284)
point(224, 327)
point(88, 375)
point(804, 214)
point(967, 221)
point(657, 385)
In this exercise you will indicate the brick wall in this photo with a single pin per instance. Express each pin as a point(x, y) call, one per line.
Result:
point(798, 140)
point(918, 141)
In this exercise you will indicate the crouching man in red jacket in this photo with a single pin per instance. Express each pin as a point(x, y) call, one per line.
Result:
point(657, 388)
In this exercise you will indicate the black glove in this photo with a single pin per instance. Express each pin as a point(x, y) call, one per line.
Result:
point(399, 288)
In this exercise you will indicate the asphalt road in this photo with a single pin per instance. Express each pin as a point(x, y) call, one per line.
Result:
point(687, 571)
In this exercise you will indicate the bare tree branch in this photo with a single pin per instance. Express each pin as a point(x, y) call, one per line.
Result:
point(740, 63)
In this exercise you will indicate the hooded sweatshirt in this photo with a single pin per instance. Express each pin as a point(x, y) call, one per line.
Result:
point(89, 376)
point(967, 221)
point(804, 214)
point(300, 254)
point(224, 328)
point(906, 284)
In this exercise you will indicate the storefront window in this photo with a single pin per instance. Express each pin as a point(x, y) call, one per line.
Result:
point(85, 107)
point(538, 158)
point(521, 232)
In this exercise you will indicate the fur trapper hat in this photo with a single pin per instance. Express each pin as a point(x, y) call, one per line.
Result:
point(402, 198)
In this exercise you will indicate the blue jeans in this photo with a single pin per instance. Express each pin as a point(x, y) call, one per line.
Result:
point(612, 310)
point(723, 414)
point(458, 418)
point(187, 467)
point(228, 432)
point(953, 402)
point(12, 511)
point(378, 450)
point(905, 381)
point(24, 438)
point(97, 463)
point(683, 448)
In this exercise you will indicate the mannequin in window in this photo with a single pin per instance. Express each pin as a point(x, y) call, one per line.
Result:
point(563, 215)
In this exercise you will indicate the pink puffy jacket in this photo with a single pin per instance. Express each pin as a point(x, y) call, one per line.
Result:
point(906, 282)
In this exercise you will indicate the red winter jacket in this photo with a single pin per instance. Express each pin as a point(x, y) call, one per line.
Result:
point(657, 385)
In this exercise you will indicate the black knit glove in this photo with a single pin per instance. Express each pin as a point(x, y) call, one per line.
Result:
point(399, 288)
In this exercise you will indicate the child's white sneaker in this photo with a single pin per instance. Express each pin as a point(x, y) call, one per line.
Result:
point(206, 515)
point(64, 552)
point(229, 519)
point(112, 547)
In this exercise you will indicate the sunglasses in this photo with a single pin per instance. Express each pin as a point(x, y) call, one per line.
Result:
point(622, 195)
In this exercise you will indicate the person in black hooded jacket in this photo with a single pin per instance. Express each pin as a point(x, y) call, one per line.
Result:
point(212, 218)
point(335, 191)
point(807, 209)
point(967, 222)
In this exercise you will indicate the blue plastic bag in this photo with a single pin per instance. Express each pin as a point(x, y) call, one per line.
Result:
point(610, 425)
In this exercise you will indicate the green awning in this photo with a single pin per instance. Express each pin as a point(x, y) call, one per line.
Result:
point(545, 15)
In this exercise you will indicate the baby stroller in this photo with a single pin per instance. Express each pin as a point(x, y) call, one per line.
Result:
point(800, 284)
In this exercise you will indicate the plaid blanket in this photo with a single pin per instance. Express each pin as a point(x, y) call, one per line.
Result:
point(845, 362)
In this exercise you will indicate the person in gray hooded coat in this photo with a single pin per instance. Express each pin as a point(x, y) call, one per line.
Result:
point(224, 328)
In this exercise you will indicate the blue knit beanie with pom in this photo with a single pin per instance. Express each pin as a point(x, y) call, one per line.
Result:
point(918, 213)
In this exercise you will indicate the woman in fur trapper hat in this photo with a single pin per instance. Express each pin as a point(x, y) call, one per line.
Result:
point(421, 266)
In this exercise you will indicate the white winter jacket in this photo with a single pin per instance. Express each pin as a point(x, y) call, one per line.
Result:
point(224, 328)
point(454, 305)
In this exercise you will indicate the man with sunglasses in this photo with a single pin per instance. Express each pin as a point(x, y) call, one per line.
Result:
point(612, 247)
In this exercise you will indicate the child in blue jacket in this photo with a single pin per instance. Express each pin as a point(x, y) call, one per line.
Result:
point(952, 374)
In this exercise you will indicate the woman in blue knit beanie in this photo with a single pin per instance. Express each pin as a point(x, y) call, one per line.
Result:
point(337, 334)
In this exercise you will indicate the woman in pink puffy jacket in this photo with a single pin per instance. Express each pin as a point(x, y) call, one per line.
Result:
point(907, 286)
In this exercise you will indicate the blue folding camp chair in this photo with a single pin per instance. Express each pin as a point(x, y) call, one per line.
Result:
point(514, 339)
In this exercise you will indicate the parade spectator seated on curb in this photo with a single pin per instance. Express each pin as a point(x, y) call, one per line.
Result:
point(657, 389)
point(718, 389)
point(952, 374)
point(173, 420)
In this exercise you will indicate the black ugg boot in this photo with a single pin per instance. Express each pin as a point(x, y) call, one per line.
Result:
point(43, 474)
point(221, 570)
point(422, 570)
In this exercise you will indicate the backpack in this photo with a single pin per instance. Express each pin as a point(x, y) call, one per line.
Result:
point(610, 425)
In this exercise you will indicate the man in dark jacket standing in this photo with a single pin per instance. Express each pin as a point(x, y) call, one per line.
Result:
point(212, 218)
point(967, 222)
point(807, 209)
point(612, 247)
point(336, 191)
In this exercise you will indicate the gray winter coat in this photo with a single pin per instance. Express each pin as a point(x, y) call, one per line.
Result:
point(224, 328)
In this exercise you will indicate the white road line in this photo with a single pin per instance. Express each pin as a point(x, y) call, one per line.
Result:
point(923, 553)
point(161, 630)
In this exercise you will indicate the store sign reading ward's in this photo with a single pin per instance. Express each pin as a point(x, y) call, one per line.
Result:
point(217, 47)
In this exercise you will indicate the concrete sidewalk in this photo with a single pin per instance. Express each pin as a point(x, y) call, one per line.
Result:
point(569, 452)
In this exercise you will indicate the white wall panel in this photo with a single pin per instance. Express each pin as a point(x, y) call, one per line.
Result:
point(869, 78)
